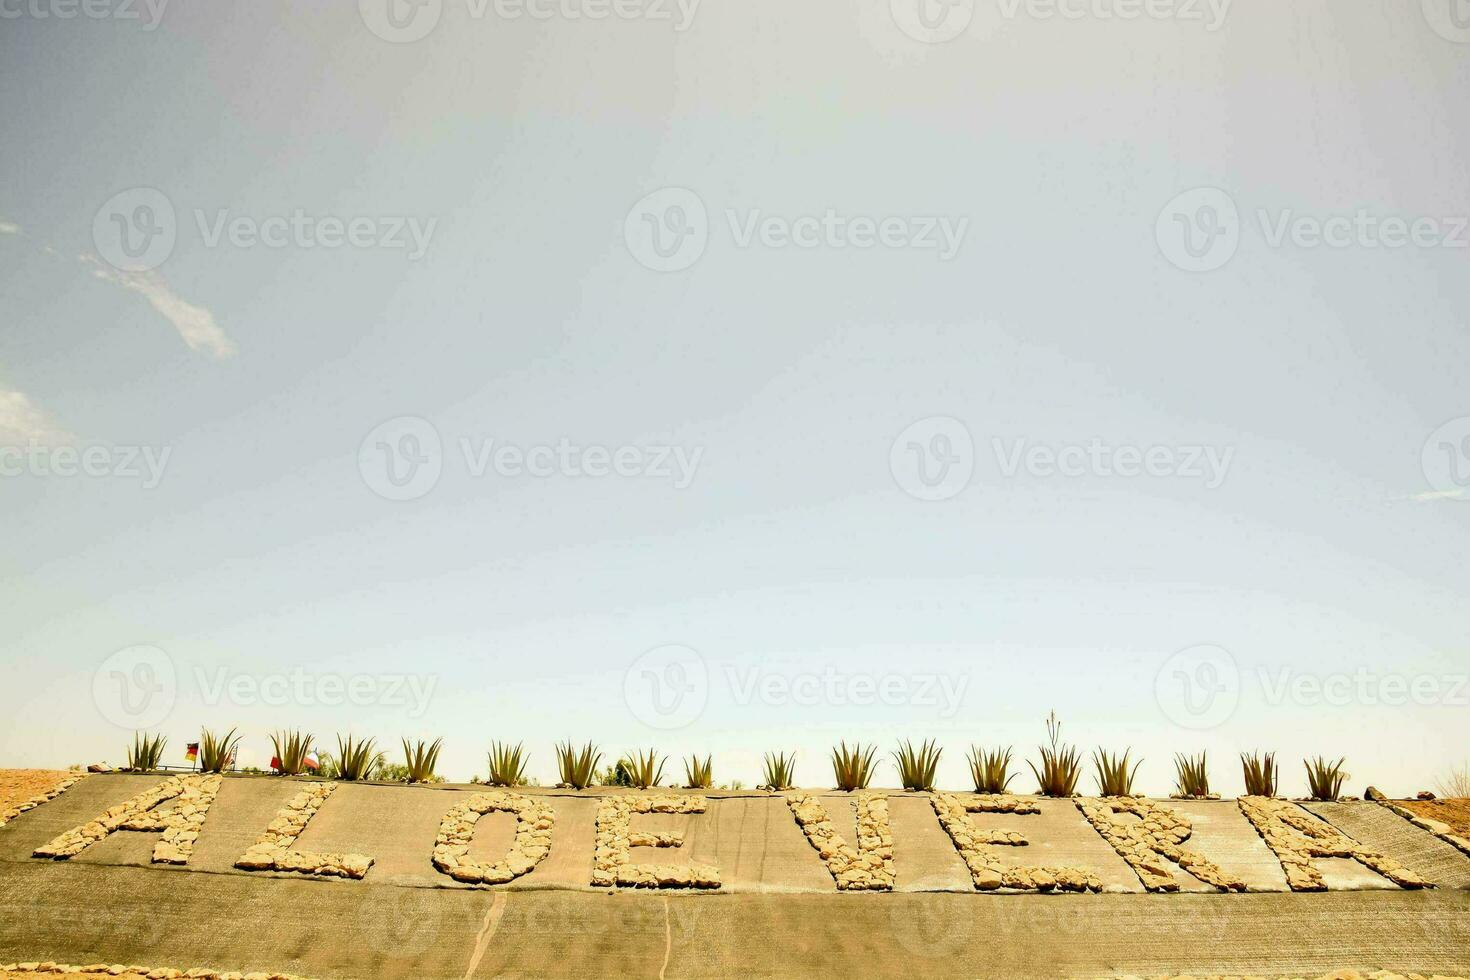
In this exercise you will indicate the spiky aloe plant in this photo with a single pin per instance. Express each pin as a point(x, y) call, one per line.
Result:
point(990, 769)
point(916, 767)
point(507, 764)
point(578, 768)
point(1325, 778)
point(1061, 766)
point(146, 752)
point(420, 759)
point(1113, 776)
point(291, 750)
point(1191, 776)
point(215, 753)
point(780, 770)
point(853, 768)
point(699, 773)
point(644, 770)
point(355, 758)
point(1260, 773)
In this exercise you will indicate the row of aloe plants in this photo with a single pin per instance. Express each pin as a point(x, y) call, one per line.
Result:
point(853, 767)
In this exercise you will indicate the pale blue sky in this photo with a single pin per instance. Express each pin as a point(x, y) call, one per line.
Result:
point(795, 550)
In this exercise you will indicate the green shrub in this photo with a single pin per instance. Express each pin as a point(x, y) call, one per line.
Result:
point(990, 769)
point(780, 770)
point(853, 768)
point(699, 774)
point(507, 764)
point(216, 753)
point(1061, 767)
point(1325, 778)
point(146, 752)
point(916, 767)
point(1114, 778)
point(1191, 775)
point(578, 769)
point(1260, 773)
point(420, 759)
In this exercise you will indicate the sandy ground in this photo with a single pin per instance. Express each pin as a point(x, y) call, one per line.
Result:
point(19, 785)
point(1456, 813)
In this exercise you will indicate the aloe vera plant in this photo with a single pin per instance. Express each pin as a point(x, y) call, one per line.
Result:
point(990, 769)
point(507, 764)
point(420, 758)
point(917, 767)
point(146, 752)
point(578, 768)
point(1113, 776)
point(1061, 767)
point(853, 768)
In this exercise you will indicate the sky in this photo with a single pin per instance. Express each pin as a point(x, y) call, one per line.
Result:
point(735, 377)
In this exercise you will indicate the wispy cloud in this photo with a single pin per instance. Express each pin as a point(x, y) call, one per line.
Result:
point(195, 324)
point(23, 421)
point(1439, 495)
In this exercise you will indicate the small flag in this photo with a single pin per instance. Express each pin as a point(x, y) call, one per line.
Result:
point(311, 761)
point(191, 752)
point(276, 762)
